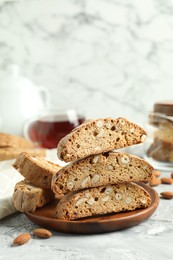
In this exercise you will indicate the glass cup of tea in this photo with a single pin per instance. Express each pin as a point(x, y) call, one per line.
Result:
point(51, 126)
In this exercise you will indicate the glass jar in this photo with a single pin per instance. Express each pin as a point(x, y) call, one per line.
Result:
point(158, 147)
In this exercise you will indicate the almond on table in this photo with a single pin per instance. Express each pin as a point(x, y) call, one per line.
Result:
point(166, 180)
point(154, 181)
point(22, 239)
point(167, 194)
point(156, 173)
point(42, 232)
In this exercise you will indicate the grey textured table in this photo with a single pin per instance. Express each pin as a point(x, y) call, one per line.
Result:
point(152, 239)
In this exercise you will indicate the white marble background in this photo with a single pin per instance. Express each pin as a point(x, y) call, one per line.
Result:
point(107, 57)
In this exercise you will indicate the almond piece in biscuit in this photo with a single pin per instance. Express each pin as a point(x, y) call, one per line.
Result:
point(102, 200)
point(101, 169)
point(97, 136)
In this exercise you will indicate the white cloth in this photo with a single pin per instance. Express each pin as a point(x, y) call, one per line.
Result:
point(9, 177)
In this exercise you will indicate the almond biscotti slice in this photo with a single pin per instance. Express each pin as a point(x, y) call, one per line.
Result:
point(9, 153)
point(36, 170)
point(102, 200)
point(27, 197)
point(8, 140)
point(97, 136)
point(101, 169)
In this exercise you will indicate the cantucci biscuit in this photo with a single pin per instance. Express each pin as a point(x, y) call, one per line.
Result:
point(97, 136)
point(101, 169)
point(102, 200)
point(9, 153)
point(27, 197)
point(8, 140)
point(36, 170)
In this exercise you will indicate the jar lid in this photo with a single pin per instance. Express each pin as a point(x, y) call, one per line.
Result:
point(164, 107)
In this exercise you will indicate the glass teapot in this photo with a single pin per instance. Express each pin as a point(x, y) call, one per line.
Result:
point(20, 100)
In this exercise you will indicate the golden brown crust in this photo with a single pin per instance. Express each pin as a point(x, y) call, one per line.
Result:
point(101, 169)
point(97, 136)
point(35, 169)
point(27, 197)
point(102, 200)
point(8, 140)
point(9, 153)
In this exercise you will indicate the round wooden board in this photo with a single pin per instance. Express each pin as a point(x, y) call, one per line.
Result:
point(45, 217)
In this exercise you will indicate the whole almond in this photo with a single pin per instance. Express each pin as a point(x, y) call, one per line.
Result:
point(41, 232)
point(156, 173)
point(22, 239)
point(166, 180)
point(154, 181)
point(167, 194)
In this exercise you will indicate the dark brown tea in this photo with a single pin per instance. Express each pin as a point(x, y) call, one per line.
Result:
point(49, 130)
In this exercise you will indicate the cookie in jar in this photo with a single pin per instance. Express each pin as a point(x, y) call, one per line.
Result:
point(159, 144)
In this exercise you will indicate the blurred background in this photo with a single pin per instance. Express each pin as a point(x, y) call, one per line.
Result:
point(104, 57)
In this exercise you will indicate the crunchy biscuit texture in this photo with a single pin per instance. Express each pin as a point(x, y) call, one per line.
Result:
point(9, 153)
point(8, 140)
point(36, 170)
point(27, 197)
point(102, 200)
point(97, 136)
point(101, 169)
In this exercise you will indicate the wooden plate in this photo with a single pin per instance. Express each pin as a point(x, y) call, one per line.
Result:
point(45, 217)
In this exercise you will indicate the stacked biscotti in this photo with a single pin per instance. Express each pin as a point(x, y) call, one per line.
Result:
point(11, 146)
point(35, 190)
point(99, 180)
